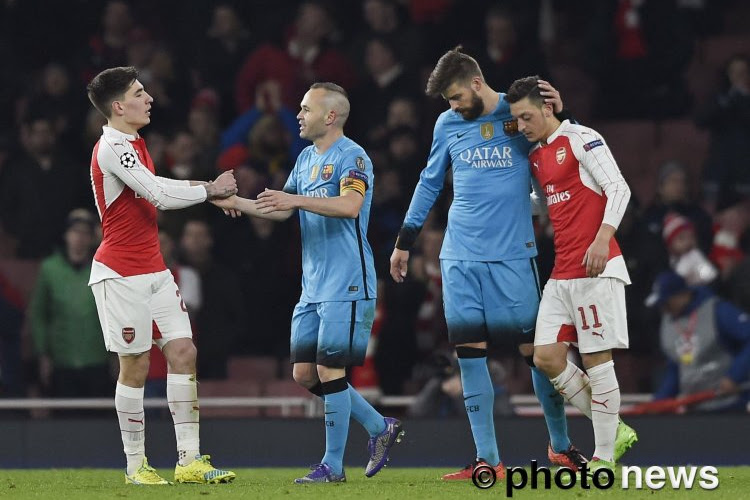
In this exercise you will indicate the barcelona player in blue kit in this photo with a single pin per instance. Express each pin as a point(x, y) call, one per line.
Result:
point(331, 185)
point(490, 283)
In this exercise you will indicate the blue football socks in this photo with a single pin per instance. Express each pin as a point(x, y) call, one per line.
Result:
point(553, 406)
point(479, 400)
point(338, 408)
point(365, 414)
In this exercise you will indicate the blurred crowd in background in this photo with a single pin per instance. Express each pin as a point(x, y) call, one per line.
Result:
point(667, 82)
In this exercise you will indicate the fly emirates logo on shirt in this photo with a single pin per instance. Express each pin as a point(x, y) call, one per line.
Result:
point(488, 157)
point(553, 197)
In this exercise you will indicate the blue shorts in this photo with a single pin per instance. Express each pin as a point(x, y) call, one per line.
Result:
point(332, 334)
point(484, 300)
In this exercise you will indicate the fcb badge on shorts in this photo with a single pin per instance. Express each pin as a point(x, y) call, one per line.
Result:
point(487, 130)
point(510, 127)
point(314, 172)
point(128, 334)
point(327, 172)
point(560, 155)
point(360, 163)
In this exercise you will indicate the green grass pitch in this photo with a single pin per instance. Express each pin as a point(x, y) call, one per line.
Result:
point(262, 483)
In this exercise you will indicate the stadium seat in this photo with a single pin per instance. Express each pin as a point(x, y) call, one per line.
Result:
point(254, 368)
point(228, 389)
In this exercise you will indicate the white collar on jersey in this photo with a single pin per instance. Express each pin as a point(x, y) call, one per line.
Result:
point(559, 130)
point(116, 134)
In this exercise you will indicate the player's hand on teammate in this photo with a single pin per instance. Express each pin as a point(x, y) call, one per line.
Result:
point(224, 186)
point(596, 258)
point(399, 264)
point(551, 95)
point(271, 200)
point(228, 206)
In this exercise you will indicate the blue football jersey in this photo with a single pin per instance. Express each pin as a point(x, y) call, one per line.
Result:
point(337, 261)
point(490, 217)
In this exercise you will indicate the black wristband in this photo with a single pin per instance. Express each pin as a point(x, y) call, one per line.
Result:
point(406, 237)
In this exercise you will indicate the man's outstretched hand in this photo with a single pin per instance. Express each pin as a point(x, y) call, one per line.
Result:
point(224, 186)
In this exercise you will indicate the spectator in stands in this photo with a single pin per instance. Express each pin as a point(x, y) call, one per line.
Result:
point(442, 395)
point(387, 78)
point(166, 77)
point(726, 251)
point(638, 50)
point(431, 331)
point(501, 55)
point(64, 323)
point(305, 59)
point(404, 153)
point(107, 48)
point(383, 19)
point(43, 168)
point(267, 102)
point(203, 123)
point(222, 318)
point(182, 158)
point(726, 173)
point(267, 256)
point(397, 343)
point(265, 152)
point(403, 112)
point(388, 204)
point(706, 341)
point(54, 96)
point(219, 55)
point(685, 258)
point(673, 195)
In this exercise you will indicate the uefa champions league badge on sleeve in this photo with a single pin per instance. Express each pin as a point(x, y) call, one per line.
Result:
point(128, 160)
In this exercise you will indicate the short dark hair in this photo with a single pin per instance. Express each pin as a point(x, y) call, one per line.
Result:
point(331, 87)
point(525, 87)
point(453, 66)
point(110, 85)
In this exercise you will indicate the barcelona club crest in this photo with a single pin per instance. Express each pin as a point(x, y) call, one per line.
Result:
point(314, 172)
point(487, 130)
point(327, 172)
point(510, 127)
point(128, 334)
point(560, 155)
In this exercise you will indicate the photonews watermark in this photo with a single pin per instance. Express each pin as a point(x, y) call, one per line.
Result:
point(654, 478)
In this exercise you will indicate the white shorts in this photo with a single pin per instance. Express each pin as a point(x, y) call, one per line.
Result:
point(130, 307)
point(586, 312)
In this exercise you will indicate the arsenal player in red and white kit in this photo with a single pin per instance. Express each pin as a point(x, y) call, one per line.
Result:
point(132, 286)
point(583, 303)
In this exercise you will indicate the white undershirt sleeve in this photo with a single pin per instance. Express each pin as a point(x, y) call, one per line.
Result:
point(596, 158)
point(164, 194)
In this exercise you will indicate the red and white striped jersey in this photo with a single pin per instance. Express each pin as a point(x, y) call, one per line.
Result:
point(583, 188)
point(127, 193)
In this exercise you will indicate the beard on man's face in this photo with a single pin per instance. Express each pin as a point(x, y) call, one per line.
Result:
point(474, 110)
